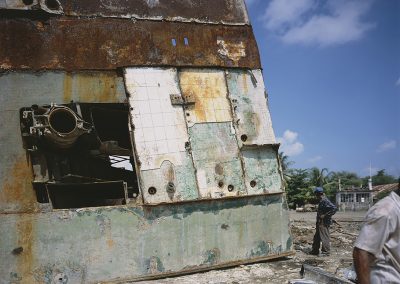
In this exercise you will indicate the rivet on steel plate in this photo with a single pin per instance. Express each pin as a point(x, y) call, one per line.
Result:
point(170, 187)
point(152, 190)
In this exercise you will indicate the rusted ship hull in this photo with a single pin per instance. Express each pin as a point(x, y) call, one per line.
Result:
point(131, 243)
point(136, 142)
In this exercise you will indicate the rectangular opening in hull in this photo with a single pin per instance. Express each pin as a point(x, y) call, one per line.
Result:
point(80, 195)
point(76, 147)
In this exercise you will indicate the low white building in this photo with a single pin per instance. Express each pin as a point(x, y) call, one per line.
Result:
point(361, 198)
point(354, 199)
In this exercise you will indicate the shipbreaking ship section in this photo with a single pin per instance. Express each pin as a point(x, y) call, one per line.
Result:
point(136, 141)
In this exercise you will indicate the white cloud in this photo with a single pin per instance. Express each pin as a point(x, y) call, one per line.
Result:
point(280, 13)
point(335, 21)
point(389, 145)
point(398, 82)
point(290, 136)
point(289, 144)
point(314, 159)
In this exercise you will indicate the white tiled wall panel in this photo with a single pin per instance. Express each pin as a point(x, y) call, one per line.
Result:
point(159, 127)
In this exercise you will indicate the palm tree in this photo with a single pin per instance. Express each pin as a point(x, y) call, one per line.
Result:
point(284, 160)
point(318, 177)
point(285, 163)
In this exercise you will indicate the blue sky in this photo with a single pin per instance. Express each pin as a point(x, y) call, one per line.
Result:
point(332, 72)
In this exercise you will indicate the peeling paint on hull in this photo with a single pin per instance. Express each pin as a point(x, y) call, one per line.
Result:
point(156, 109)
point(106, 44)
point(147, 242)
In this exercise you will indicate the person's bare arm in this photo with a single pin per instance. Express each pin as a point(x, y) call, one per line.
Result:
point(362, 263)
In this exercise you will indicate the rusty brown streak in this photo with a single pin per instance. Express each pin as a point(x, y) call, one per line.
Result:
point(106, 43)
point(91, 87)
point(17, 190)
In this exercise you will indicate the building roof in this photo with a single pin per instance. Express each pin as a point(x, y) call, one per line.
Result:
point(384, 188)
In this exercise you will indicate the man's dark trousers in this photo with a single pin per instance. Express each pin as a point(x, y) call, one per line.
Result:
point(321, 235)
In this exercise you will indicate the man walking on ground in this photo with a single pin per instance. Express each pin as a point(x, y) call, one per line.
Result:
point(377, 249)
point(326, 210)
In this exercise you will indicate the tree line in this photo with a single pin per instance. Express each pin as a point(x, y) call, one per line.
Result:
point(300, 183)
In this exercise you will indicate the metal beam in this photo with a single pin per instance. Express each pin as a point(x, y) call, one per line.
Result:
point(321, 276)
point(203, 11)
point(106, 43)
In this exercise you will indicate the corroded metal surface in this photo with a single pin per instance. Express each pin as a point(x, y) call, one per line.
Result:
point(317, 274)
point(250, 107)
point(232, 12)
point(48, 6)
point(209, 143)
point(106, 43)
point(159, 127)
point(216, 159)
point(223, 11)
point(24, 89)
point(199, 196)
point(262, 170)
point(125, 243)
point(17, 4)
point(160, 135)
point(208, 89)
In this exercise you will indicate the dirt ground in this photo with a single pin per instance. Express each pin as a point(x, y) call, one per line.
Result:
point(343, 235)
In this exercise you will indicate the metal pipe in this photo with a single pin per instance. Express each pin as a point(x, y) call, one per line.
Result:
point(64, 127)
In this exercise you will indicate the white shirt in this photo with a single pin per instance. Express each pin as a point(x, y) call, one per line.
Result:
point(380, 235)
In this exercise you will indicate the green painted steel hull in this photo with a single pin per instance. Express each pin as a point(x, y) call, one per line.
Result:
point(128, 243)
point(179, 94)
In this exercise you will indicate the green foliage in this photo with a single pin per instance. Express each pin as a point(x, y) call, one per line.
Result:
point(380, 178)
point(285, 164)
point(299, 190)
point(300, 183)
point(346, 179)
point(381, 195)
point(318, 177)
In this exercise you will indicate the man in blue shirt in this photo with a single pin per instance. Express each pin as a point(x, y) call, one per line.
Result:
point(326, 210)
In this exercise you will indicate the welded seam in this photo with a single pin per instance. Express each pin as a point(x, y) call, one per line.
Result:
point(189, 152)
point(133, 143)
point(233, 114)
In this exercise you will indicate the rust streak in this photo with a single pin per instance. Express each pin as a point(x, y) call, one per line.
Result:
point(17, 191)
point(91, 87)
point(110, 242)
point(245, 87)
point(25, 259)
point(66, 43)
point(208, 89)
point(67, 88)
point(97, 87)
point(169, 173)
